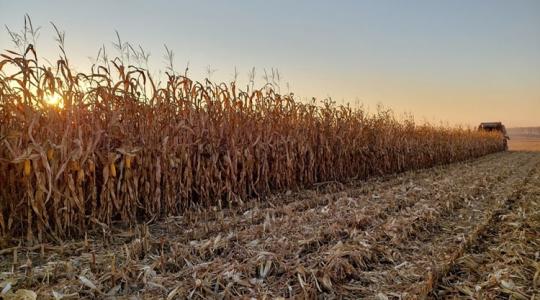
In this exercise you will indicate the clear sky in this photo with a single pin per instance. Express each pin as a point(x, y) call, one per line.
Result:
point(461, 61)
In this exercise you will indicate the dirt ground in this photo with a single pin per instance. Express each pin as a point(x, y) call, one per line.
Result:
point(469, 230)
point(520, 143)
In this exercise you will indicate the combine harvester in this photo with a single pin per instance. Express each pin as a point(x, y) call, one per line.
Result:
point(495, 126)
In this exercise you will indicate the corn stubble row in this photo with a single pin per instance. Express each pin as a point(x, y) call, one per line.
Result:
point(124, 148)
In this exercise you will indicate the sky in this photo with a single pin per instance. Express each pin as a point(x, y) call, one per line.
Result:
point(458, 62)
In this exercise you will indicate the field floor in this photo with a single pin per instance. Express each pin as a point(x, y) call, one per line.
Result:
point(523, 143)
point(467, 230)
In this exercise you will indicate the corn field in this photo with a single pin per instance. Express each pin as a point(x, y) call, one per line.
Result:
point(122, 147)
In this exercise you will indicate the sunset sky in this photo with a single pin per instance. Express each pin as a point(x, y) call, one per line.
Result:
point(460, 62)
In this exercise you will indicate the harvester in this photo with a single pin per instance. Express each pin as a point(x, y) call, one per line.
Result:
point(496, 126)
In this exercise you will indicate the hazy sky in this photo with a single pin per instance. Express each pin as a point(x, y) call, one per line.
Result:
point(453, 61)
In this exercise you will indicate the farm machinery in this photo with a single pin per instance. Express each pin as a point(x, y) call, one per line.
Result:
point(498, 127)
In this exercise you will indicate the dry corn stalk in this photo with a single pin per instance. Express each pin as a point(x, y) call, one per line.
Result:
point(121, 147)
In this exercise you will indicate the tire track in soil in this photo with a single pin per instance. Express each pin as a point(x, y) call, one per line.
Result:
point(384, 251)
point(428, 254)
point(506, 249)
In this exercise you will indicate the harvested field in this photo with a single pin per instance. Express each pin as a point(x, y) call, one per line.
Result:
point(463, 230)
point(524, 143)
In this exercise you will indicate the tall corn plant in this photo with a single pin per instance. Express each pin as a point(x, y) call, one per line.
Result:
point(122, 147)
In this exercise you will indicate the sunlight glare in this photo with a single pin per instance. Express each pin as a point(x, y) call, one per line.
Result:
point(53, 99)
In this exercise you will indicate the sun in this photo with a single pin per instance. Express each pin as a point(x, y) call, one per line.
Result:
point(53, 99)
